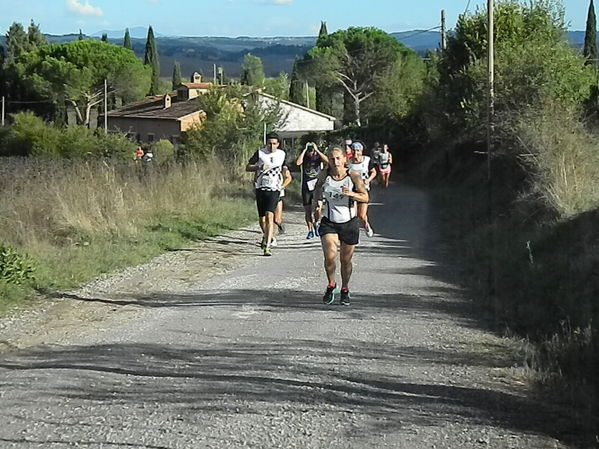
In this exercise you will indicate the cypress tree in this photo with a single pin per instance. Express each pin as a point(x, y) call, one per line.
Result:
point(104, 37)
point(151, 59)
point(80, 38)
point(323, 30)
point(590, 37)
point(324, 94)
point(176, 75)
point(127, 40)
point(296, 86)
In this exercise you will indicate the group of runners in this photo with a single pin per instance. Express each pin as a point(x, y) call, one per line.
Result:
point(335, 193)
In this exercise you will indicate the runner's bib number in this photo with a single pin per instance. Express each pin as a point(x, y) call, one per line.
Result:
point(311, 184)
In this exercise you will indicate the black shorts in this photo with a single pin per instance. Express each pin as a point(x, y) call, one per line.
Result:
point(267, 200)
point(348, 232)
point(307, 196)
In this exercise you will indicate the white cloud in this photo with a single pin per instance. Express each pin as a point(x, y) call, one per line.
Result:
point(84, 9)
point(283, 2)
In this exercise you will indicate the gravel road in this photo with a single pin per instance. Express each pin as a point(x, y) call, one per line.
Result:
point(216, 346)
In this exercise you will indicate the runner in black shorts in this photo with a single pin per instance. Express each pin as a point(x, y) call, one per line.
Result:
point(311, 159)
point(269, 164)
point(337, 189)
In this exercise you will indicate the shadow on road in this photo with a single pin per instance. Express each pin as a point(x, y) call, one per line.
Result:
point(265, 374)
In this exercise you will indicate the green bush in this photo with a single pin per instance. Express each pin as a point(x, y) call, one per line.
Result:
point(29, 135)
point(15, 268)
point(163, 150)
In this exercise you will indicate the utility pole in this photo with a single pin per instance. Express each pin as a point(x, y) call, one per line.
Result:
point(491, 276)
point(2, 110)
point(106, 106)
point(443, 32)
point(491, 82)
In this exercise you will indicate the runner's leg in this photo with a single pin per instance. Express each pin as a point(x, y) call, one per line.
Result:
point(346, 255)
point(330, 242)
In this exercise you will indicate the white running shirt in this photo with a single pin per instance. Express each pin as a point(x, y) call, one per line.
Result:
point(338, 207)
point(363, 168)
point(271, 178)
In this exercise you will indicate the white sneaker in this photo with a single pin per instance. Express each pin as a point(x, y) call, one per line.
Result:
point(273, 243)
point(369, 231)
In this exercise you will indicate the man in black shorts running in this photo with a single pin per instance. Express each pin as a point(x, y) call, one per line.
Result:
point(268, 163)
point(311, 159)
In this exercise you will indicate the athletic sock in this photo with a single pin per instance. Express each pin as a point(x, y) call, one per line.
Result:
point(345, 289)
point(334, 284)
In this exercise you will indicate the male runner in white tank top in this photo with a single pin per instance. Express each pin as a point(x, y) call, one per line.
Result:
point(364, 166)
point(269, 164)
point(336, 191)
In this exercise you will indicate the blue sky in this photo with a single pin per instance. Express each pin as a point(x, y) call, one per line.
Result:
point(231, 18)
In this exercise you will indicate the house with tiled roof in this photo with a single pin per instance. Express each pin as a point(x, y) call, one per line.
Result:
point(159, 117)
point(169, 116)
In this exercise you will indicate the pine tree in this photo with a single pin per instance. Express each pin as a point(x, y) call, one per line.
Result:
point(151, 59)
point(590, 37)
point(127, 40)
point(252, 71)
point(35, 37)
point(176, 75)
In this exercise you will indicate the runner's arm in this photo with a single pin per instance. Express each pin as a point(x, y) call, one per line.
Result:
point(361, 194)
point(300, 159)
point(287, 178)
point(317, 201)
point(252, 164)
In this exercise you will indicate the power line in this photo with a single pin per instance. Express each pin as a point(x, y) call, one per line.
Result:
point(438, 27)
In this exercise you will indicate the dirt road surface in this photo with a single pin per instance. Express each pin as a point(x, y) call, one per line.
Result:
point(216, 346)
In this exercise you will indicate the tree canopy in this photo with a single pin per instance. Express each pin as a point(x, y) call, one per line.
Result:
point(75, 72)
point(353, 59)
point(252, 71)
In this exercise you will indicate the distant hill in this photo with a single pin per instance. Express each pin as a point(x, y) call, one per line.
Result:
point(139, 32)
point(277, 53)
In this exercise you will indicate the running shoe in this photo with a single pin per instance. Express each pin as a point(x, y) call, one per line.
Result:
point(273, 243)
point(281, 227)
point(263, 244)
point(330, 294)
point(310, 234)
point(344, 298)
point(368, 229)
point(317, 229)
point(267, 251)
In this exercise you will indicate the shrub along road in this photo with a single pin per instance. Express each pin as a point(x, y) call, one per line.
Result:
point(218, 347)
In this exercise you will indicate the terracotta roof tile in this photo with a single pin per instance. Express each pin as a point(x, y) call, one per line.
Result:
point(153, 107)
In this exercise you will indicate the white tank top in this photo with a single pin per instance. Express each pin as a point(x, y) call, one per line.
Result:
point(362, 168)
point(338, 207)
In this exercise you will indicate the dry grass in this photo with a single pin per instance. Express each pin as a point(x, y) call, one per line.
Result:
point(46, 201)
point(564, 156)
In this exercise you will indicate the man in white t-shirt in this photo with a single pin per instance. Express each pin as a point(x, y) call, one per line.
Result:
point(268, 163)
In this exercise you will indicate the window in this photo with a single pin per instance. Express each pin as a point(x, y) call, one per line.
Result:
point(151, 137)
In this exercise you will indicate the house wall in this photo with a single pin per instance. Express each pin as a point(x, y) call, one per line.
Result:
point(191, 121)
point(142, 129)
point(299, 121)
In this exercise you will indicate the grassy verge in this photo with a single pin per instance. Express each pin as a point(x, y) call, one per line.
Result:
point(77, 220)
